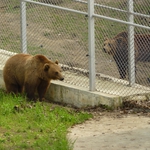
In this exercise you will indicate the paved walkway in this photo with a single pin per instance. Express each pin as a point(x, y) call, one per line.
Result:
point(105, 133)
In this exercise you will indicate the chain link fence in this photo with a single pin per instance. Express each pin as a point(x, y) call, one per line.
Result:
point(112, 39)
point(57, 32)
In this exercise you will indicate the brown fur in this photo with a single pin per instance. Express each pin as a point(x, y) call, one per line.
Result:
point(31, 73)
point(118, 48)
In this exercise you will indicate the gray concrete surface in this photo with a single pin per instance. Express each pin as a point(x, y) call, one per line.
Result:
point(130, 132)
point(82, 97)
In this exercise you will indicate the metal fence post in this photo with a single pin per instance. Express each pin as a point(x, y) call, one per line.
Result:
point(23, 27)
point(91, 42)
point(131, 53)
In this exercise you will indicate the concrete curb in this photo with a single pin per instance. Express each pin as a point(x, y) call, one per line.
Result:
point(80, 97)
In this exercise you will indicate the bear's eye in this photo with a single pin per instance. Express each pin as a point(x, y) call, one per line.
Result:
point(56, 73)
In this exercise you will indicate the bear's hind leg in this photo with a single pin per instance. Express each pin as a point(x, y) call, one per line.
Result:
point(20, 89)
point(42, 88)
point(29, 91)
point(12, 88)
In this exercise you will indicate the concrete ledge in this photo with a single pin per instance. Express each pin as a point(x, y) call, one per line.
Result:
point(76, 96)
point(80, 97)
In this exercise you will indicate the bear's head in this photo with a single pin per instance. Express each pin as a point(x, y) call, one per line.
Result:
point(53, 71)
point(111, 46)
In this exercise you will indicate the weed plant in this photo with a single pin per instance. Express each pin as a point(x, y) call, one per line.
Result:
point(28, 125)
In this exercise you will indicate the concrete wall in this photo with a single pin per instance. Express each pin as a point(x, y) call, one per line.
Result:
point(80, 97)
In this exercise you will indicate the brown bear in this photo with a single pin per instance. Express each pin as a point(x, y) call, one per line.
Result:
point(118, 48)
point(31, 74)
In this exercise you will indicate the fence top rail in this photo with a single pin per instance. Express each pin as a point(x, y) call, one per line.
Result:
point(113, 8)
point(121, 21)
point(95, 15)
point(54, 6)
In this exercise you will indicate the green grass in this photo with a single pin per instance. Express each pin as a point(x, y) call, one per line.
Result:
point(43, 126)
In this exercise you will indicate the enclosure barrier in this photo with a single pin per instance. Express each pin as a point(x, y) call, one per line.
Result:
point(85, 24)
point(91, 27)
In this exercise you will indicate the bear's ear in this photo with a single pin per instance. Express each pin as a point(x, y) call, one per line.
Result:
point(56, 62)
point(46, 67)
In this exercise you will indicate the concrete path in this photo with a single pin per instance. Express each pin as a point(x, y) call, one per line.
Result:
point(130, 132)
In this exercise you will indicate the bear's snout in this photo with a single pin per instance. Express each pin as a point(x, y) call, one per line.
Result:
point(61, 79)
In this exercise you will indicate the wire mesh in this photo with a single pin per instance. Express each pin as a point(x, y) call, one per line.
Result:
point(63, 35)
point(112, 51)
point(10, 25)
